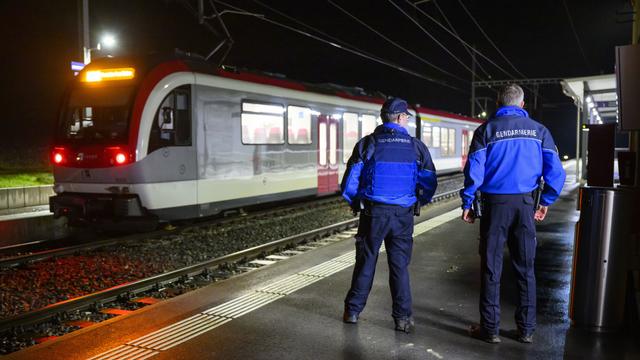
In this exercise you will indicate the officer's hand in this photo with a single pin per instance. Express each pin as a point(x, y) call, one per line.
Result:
point(467, 216)
point(540, 213)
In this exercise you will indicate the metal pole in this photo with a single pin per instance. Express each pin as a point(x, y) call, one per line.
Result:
point(578, 132)
point(634, 135)
point(473, 86)
point(584, 136)
point(86, 47)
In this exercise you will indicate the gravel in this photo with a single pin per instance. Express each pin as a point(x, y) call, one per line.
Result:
point(33, 286)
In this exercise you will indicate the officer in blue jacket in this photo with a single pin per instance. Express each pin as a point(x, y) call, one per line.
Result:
point(507, 157)
point(388, 172)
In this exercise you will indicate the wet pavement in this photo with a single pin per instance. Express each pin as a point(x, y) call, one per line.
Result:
point(306, 323)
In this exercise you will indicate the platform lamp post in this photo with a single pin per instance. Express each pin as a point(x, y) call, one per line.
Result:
point(107, 41)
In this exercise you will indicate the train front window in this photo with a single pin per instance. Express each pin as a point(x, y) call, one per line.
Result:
point(96, 115)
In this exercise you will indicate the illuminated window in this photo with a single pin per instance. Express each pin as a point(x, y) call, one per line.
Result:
point(452, 142)
point(426, 135)
point(299, 125)
point(333, 143)
point(322, 143)
point(444, 139)
point(349, 134)
point(369, 124)
point(262, 123)
point(447, 142)
point(436, 137)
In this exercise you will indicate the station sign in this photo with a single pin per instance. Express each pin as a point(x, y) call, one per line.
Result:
point(76, 67)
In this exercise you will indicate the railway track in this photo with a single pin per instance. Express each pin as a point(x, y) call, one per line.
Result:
point(105, 301)
point(29, 252)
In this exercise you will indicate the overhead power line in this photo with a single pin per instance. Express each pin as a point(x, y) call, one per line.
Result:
point(575, 34)
point(446, 19)
point(349, 49)
point(431, 36)
point(489, 39)
point(404, 49)
point(459, 38)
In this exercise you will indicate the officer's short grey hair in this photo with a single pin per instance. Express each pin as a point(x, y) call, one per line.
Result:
point(511, 95)
point(386, 117)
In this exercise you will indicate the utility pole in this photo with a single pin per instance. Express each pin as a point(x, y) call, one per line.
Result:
point(634, 135)
point(86, 45)
point(473, 86)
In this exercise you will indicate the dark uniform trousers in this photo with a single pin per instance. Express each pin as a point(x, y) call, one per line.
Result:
point(508, 219)
point(394, 225)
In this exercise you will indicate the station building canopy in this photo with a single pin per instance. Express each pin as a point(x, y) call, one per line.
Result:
point(598, 93)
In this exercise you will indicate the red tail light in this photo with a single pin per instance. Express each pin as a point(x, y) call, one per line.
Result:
point(58, 156)
point(121, 158)
point(118, 155)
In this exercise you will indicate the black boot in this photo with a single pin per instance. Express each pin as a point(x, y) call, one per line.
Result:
point(406, 325)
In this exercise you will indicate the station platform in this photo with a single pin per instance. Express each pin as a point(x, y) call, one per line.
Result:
point(293, 308)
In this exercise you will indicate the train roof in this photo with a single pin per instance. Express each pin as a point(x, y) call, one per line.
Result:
point(196, 63)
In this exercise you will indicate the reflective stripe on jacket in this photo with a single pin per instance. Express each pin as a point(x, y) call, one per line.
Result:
point(508, 155)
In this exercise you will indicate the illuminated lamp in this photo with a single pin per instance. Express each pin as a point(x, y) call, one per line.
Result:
point(109, 74)
point(58, 156)
point(121, 158)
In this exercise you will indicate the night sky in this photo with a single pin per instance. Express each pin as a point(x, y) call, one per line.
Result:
point(40, 38)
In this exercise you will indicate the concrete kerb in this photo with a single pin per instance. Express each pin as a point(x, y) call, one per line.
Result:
point(4, 199)
point(15, 198)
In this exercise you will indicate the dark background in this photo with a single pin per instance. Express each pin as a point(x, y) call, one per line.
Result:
point(40, 38)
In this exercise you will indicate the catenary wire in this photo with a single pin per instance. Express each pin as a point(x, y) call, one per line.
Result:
point(575, 34)
point(459, 39)
point(350, 50)
point(431, 36)
point(489, 39)
point(404, 49)
point(446, 19)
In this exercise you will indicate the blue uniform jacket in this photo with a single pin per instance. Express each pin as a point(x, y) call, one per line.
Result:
point(388, 167)
point(508, 154)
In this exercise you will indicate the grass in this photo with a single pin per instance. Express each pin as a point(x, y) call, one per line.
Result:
point(25, 179)
point(24, 167)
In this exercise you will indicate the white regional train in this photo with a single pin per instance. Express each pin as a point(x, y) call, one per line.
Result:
point(148, 139)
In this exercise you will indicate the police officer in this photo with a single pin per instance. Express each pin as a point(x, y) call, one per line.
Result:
point(389, 173)
point(508, 155)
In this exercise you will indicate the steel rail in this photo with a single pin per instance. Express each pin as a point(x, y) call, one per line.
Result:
point(13, 261)
point(111, 294)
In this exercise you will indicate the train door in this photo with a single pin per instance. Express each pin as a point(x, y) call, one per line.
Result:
point(466, 141)
point(327, 155)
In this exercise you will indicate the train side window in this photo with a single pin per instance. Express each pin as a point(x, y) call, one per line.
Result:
point(172, 122)
point(452, 142)
point(444, 141)
point(333, 143)
point(299, 125)
point(349, 134)
point(436, 137)
point(368, 124)
point(426, 135)
point(262, 123)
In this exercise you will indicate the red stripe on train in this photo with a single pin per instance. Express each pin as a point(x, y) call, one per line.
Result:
point(147, 85)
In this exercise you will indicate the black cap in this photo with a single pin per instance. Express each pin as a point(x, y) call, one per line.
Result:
point(395, 106)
